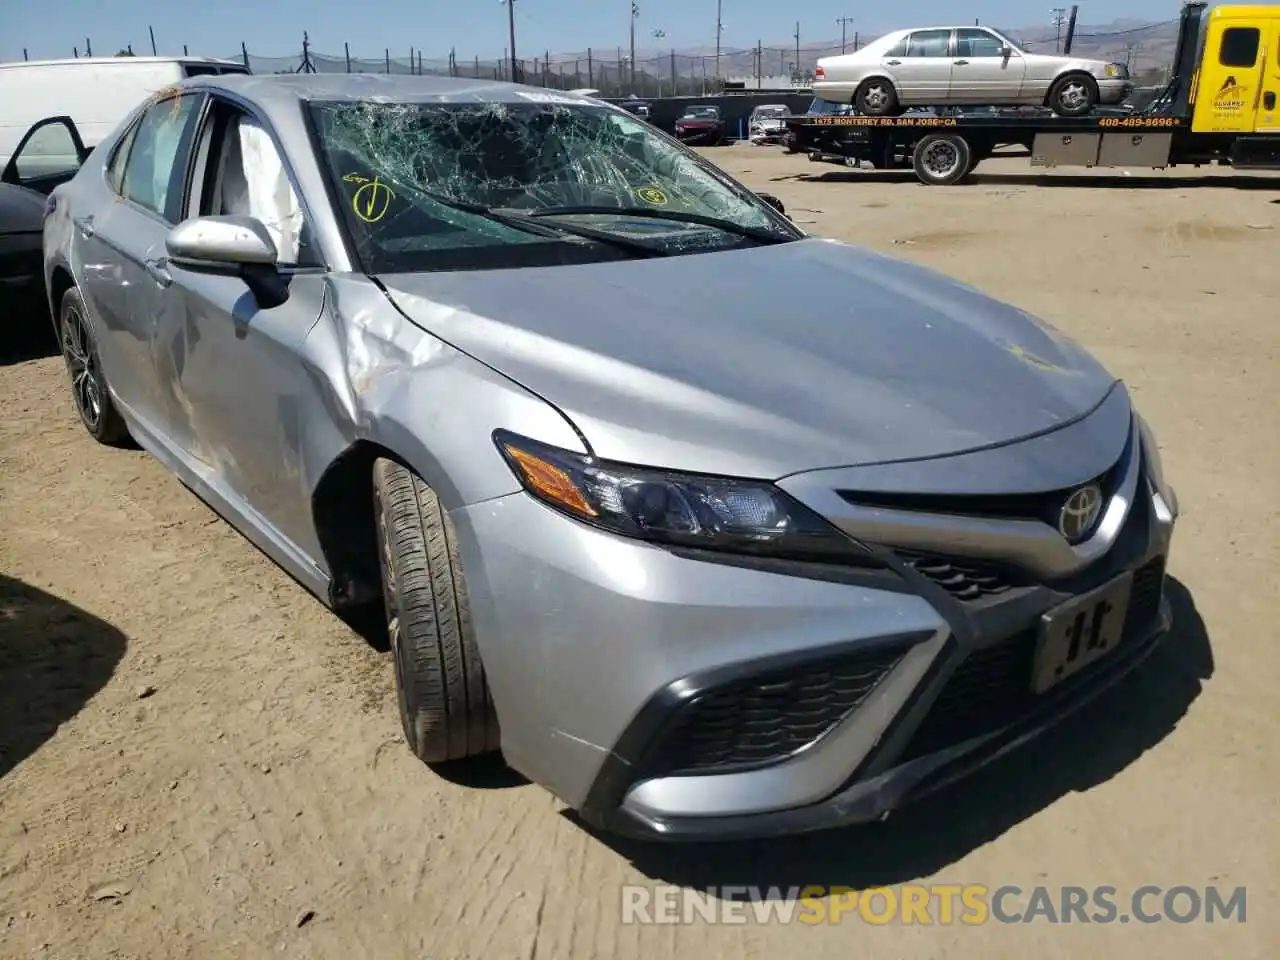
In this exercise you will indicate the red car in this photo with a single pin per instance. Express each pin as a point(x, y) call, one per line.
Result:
point(701, 126)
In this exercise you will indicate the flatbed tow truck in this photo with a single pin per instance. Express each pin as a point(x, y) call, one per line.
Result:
point(1219, 106)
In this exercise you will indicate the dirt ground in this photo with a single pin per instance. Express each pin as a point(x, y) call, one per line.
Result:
point(198, 760)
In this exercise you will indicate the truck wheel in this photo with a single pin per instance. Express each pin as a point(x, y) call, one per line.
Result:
point(942, 159)
point(1073, 95)
point(877, 98)
point(89, 388)
point(445, 706)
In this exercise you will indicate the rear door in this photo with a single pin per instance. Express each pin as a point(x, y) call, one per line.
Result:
point(922, 72)
point(121, 227)
point(980, 73)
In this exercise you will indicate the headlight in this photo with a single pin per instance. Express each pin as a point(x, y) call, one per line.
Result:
point(688, 510)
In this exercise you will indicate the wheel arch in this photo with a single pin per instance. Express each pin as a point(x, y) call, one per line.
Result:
point(60, 281)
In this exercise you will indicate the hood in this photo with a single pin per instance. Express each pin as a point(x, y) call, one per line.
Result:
point(21, 210)
point(765, 361)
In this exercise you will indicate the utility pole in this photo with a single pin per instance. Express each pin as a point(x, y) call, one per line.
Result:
point(719, 33)
point(1059, 15)
point(511, 26)
point(797, 45)
point(844, 27)
point(635, 15)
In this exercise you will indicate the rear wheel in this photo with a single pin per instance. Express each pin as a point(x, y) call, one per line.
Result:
point(445, 705)
point(1073, 95)
point(942, 159)
point(89, 390)
point(877, 98)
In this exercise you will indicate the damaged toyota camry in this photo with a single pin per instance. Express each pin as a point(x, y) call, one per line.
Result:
point(704, 559)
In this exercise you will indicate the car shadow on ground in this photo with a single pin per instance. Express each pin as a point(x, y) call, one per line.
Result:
point(54, 657)
point(1087, 749)
point(29, 337)
point(1032, 179)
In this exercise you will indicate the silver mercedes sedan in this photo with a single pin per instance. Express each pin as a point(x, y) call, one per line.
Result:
point(713, 528)
point(965, 66)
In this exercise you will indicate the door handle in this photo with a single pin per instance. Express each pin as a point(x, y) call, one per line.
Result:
point(962, 63)
point(86, 226)
point(892, 63)
point(1269, 100)
point(157, 270)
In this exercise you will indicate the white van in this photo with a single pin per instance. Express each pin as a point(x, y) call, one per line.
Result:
point(96, 92)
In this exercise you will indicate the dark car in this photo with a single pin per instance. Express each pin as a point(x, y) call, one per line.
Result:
point(701, 125)
point(49, 154)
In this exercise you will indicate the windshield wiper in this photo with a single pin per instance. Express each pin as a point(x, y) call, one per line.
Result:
point(524, 221)
point(758, 234)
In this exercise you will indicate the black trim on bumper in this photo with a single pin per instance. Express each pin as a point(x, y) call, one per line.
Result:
point(620, 767)
point(872, 799)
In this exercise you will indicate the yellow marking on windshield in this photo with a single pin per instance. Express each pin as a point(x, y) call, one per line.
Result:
point(652, 196)
point(372, 200)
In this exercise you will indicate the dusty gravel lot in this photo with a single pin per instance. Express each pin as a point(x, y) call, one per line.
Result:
point(194, 754)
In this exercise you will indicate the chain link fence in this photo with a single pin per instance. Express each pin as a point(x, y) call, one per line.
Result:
point(660, 75)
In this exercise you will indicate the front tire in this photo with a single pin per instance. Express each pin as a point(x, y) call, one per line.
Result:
point(445, 706)
point(877, 97)
point(89, 389)
point(1073, 95)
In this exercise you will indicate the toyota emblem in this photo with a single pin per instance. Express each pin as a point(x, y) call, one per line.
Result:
point(1080, 513)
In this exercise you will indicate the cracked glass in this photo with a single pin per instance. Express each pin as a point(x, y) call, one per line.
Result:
point(414, 183)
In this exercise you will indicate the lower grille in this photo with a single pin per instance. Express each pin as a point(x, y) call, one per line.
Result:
point(992, 687)
point(769, 716)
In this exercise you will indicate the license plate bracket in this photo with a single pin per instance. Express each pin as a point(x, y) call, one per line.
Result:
point(1080, 632)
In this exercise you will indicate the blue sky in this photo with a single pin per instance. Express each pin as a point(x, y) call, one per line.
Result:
point(50, 28)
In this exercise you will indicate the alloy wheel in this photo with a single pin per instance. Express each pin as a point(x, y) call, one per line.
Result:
point(82, 365)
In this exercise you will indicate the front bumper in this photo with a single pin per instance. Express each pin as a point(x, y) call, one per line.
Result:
point(679, 696)
point(1113, 90)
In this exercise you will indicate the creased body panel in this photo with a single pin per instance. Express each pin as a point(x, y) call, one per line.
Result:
point(765, 361)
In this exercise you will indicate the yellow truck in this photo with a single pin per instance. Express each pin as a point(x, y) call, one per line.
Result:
point(1219, 106)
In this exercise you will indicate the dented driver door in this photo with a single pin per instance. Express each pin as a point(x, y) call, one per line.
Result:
point(231, 360)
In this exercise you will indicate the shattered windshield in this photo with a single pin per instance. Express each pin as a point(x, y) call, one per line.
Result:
point(425, 186)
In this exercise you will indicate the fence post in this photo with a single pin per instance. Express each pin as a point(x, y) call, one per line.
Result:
point(88, 47)
point(24, 54)
point(244, 53)
point(346, 52)
point(419, 63)
point(130, 49)
point(386, 57)
point(476, 72)
point(151, 32)
point(76, 51)
point(591, 70)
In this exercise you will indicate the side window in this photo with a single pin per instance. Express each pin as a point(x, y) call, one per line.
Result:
point(115, 169)
point(977, 43)
point(152, 173)
point(929, 43)
point(1239, 46)
point(899, 49)
point(246, 176)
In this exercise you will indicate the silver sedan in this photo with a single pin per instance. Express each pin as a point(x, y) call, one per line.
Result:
point(965, 66)
point(711, 527)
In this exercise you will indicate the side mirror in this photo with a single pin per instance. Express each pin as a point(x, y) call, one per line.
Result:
point(234, 245)
point(221, 244)
point(773, 201)
point(1006, 51)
